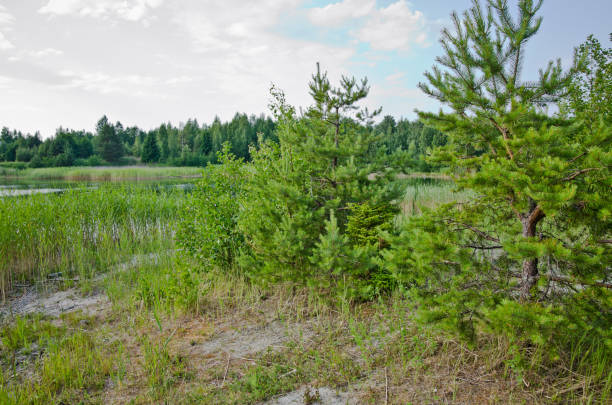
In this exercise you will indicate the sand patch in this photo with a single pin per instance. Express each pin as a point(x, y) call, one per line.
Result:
point(55, 303)
point(307, 395)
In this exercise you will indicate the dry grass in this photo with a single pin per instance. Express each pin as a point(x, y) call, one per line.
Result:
point(243, 344)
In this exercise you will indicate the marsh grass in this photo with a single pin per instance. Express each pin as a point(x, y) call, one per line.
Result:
point(103, 173)
point(429, 193)
point(80, 233)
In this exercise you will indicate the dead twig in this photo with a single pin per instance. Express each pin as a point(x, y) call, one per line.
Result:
point(226, 369)
point(386, 388)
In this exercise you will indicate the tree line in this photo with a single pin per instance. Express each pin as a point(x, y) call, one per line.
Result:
point(189, 144)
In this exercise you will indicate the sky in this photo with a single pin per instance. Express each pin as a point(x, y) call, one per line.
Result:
point(144, 62)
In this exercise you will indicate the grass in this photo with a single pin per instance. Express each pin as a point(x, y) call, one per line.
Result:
point(151, 349)
point(103, 173)
point(82, 233)
point(174, 333)
point(73, 369)
point(9, 171)
point(428, 193)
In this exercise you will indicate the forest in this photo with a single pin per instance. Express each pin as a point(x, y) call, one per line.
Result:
point(189, 144)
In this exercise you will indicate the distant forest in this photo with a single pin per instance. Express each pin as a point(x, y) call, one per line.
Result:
point(188, 144)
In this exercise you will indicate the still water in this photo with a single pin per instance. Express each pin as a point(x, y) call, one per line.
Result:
point(10, 187)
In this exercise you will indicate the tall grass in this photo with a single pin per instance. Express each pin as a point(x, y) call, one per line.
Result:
point(8, 171)
point(429, 193)
point(103, 173)
point(82, 232)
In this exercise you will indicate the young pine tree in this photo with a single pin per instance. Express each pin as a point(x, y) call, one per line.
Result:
point(322, 163)
point(534, 241)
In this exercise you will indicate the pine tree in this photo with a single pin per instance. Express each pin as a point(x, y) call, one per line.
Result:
point(109, 142)
point(322, 162)
point(539, 223)
point(150, 150)
point(163, 140)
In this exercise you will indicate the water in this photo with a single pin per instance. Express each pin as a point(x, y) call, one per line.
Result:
point(10, 187)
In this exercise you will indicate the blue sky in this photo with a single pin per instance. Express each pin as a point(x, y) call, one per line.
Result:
point(143, 62)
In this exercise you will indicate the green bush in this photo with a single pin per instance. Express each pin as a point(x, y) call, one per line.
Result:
point(366, 222)
point(209, 230)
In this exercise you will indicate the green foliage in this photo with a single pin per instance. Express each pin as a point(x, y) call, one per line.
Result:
point(365, 223)
point(322, 163)
point(150, 150)
point(73, 367)
point(109, 142)
point(162, 369)
point(78, 231)
point(162, 135)
point(409, 142)
point(110, 173)
point(209, 229)
point(352, 270)
point(589, 95)
point(25, 334)
point(188, 144)
point(529, 254)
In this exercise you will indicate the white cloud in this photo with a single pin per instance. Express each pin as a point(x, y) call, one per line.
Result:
point(6, 18)
point(337, 13)
point(104, 83)
point(5, 44)
point(395, 27)
point(6, 22)
point(45, 52)
point(32, 55)
point(130, 10)
point(243, 53)
point(5, 82)
point(128, 85)
point(200, 59)
point(395, 77)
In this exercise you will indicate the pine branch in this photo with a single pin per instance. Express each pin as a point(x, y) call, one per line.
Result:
point(475, 230)
point(579, 172)
point(482, 247)
point(504, 133)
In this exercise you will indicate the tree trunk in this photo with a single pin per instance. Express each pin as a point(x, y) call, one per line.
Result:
point(529, 275)
point(337, 125)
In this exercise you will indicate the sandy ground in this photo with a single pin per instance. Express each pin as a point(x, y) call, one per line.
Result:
point(307, 395)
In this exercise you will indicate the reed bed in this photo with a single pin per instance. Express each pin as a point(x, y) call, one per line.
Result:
point(82, 232)
point(429, 193)
point(104, 173)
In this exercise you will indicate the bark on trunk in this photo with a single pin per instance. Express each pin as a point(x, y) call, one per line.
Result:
point(529, 275)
